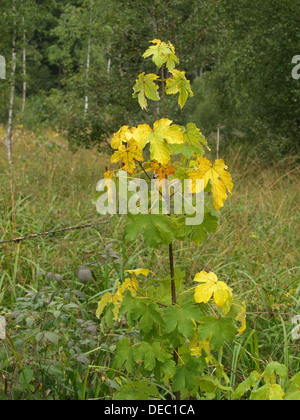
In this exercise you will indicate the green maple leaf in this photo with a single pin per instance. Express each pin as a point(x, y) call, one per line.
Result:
point(146, 88)
point(221, 330)
point(293, 388)
point(124, 355)
point(197, 233)
point(272, 369)
point(156, 229)
point(147, 315)
point(247, 384)
point(268, 392)
point(187, 374)
point(137, 390)
point(193, 140)
point(182, 319)
point(162, 53)
point(179, 84)
point(150, 353)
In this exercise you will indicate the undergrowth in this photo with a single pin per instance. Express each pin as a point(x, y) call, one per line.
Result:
point(53, 335)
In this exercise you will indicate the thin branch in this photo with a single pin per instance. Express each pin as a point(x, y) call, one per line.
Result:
point(52, 232)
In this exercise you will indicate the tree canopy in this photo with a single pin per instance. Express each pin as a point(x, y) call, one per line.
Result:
point(83, 56)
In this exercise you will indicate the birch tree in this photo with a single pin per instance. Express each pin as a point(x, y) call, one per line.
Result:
point(12, 88)
point(24, 66)
point(88, 62)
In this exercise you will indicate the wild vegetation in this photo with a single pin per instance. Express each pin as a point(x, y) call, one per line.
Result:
point(113, 307)
point(255, 249)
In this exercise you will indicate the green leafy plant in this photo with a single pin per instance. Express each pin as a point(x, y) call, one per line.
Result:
point(174, 330)
point(270, 389)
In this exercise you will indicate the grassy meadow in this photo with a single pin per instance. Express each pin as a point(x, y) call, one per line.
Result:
point(52, 340)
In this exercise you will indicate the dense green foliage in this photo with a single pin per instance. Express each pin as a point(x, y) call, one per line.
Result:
point(237, 54)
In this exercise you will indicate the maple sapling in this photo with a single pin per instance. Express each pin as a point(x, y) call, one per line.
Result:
point(180, 325)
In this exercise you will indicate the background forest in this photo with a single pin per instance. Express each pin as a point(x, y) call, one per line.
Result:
point(76, 63)
point(70, 70)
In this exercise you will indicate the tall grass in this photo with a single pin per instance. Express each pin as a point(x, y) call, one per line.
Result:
point(255, 250)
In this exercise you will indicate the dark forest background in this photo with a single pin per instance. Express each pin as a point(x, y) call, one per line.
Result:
point(77, 61)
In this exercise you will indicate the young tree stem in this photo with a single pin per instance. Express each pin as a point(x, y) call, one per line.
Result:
point(171, 254)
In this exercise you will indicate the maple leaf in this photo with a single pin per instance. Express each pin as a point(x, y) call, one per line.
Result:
point(116, 299)
point(156, 229)
point(144, 271)
point(108, 174)
point(268, 392)
point(128, 156)
point(124, 135)
point(131, 284)
point(181, 319)
point(193, 140)
point(151, 354)
point(141, 134)
point(241, 317)
point(220, 179)
point(179, 84)
point(171, 58)
point(187, 374)
point(196, 346)
point(162, 170)
point(107, 298)
point(147, 315)
point(219, 330)
point(146, 88)
point(125, 355)
point(162, 53)
point(163, 132)
point(211, 287)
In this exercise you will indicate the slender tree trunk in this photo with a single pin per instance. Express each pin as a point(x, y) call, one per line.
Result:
point(171, 254)
point(88, 62)
point(218, 142)
point(12, 90)
point(24, 67)
point(86, 103)
point(108, 65)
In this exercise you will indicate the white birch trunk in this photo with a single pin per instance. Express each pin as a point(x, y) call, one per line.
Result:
point(86, 104)
point(12, 91)
point(88, 61)
point(24, 67)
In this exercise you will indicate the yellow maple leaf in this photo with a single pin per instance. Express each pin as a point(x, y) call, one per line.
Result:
point(141, 134)
point(162, 134)
point(179, 84)
point(241, 317)
point(144, 271)
point(131, 284)
point(128, 155)
point(108, 174)
point(116, 299)
point(107, 298)
point(196, 346)
point(211, 287)
point(124, 135)
point(220, 179)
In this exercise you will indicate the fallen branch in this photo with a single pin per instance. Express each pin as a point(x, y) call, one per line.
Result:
point(53, 232)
